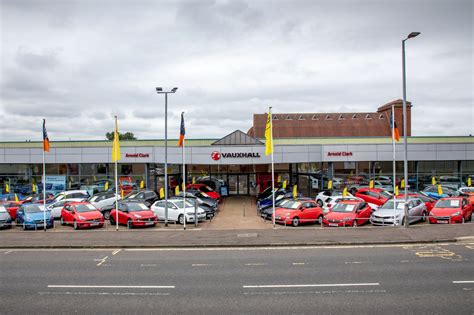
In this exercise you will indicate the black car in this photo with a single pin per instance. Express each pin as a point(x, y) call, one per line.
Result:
point(147, 197)
point(194, 193)
point(210, 212)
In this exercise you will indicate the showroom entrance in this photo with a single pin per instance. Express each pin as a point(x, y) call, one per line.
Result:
point(239, 184)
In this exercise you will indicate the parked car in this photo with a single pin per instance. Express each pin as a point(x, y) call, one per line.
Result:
point(104, 200)
point(432, 191)
point(5, 219)
point(177, 211)
point(375, 197)
point(348, 213)
point(384, 180)
point(451, 210)
point(393, 212)
point(202, 199)
point(76, 195)
point(147, 197)
point(32, 216)
point(133, 214)
point(11, 197)
point(267, 211)
point(213, 182)
point(356, 187)
point(81, 215)
point(326, 195)
point(429, 202)
point(280, 193)
point(12, 207)
point(57, 207)
point(206, 190)
point(452, 182)
point(331, 202)
point(210, 212)
point(296, 212)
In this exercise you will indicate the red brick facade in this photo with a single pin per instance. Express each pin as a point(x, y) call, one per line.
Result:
point(296, 125)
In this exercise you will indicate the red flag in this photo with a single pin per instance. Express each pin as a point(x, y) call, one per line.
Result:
point(45, 137)
point(395, 133)
point(181, 132)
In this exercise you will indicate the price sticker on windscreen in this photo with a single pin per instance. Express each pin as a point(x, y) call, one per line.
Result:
point(142, 206)
point(454, 203)
point(90, 207)
point(350, 208)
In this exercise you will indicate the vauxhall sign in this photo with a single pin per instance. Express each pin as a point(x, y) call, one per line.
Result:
point(216, 155)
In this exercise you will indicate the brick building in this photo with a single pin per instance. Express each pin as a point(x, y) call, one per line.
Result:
point(296, 125)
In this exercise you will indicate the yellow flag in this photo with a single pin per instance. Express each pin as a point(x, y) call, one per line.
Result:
point(440, 190)
point(330, 184)
point(402, 184)
point(106, 186)
point(469, 182)
point(33, 187)
point(162, 193)
point(344, 192)
point(142, 184)
point(279, 179)
point(194, 180)
point(295, 191)
point(183, 187)
point(268, 134)
point(433, 180)
point(371, 184)
point(16, 198)
point(396, 190)
point(116, 144)
point(7, 188)
point(122, 193)
point(284, 184)
point(176, 190)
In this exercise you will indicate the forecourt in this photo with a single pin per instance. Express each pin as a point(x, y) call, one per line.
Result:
point(390, 279)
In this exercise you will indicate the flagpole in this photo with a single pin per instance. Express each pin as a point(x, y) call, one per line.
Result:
point(394, 158)
point(184, 183)
point(44, 185)
point(273, 169)
point(116, 176)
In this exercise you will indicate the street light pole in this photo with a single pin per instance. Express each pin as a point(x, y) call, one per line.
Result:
point(405, 145)
point(159, 90)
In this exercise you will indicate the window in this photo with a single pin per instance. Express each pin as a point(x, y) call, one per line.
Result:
point(315, 117)
point(328, 117)
point(341, 117)
point(275, 117)
point(381, 116)
point(354, 116)
point(289, 117)
point(368, 116)
point(301, 117)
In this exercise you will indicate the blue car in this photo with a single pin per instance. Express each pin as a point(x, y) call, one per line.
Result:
point(32, 216)
point(11, 197)
point(432, 191)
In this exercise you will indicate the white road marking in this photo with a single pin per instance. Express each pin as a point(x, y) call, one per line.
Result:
point(105, 293)
point(354, 262)
point(8, 252)
point(298, 264)
point(404, 261)
point(112, 286)
point(314, 292)
point(101, 261)
point(201, 265)
point(115, 252)
point(149, 265)
point(467, 281)
point(309, 285)
point(256, 264)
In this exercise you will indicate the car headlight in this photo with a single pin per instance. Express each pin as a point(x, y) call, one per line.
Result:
point(137, 216)
point(27, 218)
point(456, 213)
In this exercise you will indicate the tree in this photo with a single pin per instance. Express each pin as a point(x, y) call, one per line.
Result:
point(122, 136)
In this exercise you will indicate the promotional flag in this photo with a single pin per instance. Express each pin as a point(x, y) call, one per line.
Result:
point(176, 190)
point(33, 188)
point(440, 190)
point(181, 132)
point(344, 192)
point(142, 184)
point(284, 184)
point(393, 127)
point(279, 179)
point(7, 188)
point(330, 184)
point(194, 180)
point(295, 191)
point(371, 184)
point(402, 184)
point(396, 190)
point(469, 182)
point(122, 193)
point(162, 193)
point(16, 198)
point(183, 187)
point(268, 135)
point(106, 186)
point(433, 180)
point(116, 144)
point(45, 137)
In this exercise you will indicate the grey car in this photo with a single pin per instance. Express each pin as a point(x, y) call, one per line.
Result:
point(393, 213)
point(5, 219)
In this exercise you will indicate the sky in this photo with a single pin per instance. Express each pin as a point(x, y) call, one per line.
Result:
point(79, 63)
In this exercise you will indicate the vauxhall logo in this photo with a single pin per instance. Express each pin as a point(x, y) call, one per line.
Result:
point(216, 155)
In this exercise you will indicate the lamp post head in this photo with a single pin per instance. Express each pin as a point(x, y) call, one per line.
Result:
point(159, 89)
point(174, 89)
point(413, 34)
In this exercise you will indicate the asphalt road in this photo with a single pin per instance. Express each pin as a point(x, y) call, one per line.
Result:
point(397, 279)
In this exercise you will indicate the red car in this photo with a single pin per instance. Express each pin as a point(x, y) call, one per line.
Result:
point(348, 213)
point(296, 212)
point(81, 215)
point(451, 210)
point(375, 197)
point(12, 207)
point(428, 201)
point(133, 214)
point(206, 190)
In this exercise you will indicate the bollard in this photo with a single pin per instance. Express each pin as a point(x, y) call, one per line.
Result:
point(195, 213)
point(243, 207)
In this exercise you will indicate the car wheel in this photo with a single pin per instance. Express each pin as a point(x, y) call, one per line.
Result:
point(61, 221)
point(112, 221)
point(319, 202)
point(181, 219)
point(75, 225)
point(295, 221)
point(107, 215)
point(355, 223)
point(129, 224)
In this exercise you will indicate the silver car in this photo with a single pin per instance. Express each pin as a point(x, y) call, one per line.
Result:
point(392, 212)
point(57, 206)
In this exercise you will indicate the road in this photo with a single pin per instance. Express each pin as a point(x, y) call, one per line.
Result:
point(389, 279)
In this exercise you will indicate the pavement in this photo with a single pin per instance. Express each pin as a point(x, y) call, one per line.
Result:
point(236, 225)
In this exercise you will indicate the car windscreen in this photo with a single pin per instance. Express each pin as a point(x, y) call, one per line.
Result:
point(206, 189)
point(448, 203)
point(386, 194)
point(336, 193)
point(85, 207)
point(343, 207)
point(179, 203)
point(136, 207)
point(291, 204)
point(132, 196)
point(93, 198)
point(33, 209)
point(390, 205)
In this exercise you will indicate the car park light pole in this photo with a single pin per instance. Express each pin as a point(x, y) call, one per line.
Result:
point(405, 146)
point(159, 90)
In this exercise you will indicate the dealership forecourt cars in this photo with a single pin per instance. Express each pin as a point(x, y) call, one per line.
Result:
point(133, 214)
point(81, 215)
point(32, 216)
point(451, 210)
point(393, 212)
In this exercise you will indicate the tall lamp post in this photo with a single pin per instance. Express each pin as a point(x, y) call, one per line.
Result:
point(405, 146)
point(159, 90)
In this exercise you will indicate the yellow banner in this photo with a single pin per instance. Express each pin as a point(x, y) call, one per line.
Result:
point(371, 184)
point(268, 134)
point(116, 144)
point(330, 184)
point(7, 188)
point(396, 190)
point(16, 198)
point(33, 187)
point(121, 193)
point(433, 180)
point(279, 179)
point(469, 182)
point(162, 193)
point(440, 190)
point(295, 191)
point(402, 184)
point(284, 184)
point(194, 180)
point(106, 186)
point(344, 192)
point(142, 184)
point(176, 190)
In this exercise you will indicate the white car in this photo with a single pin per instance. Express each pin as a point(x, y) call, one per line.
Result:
point(334, 200)
point(72, 195)
point(327, 195)
point(177, 211)
point(103, 200)
point(57, 206)
point(393, 212)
